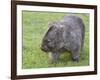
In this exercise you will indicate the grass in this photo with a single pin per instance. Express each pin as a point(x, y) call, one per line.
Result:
point(35, 25)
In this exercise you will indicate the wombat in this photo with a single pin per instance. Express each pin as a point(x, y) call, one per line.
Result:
point(66, 34)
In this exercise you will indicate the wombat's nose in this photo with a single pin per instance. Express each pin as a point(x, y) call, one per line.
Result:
point(44, 48)
point(41, 48)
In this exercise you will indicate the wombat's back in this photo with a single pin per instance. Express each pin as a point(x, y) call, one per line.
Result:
point(76, 27)
point(73, 21)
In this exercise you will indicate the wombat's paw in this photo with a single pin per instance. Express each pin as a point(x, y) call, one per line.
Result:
point(75, 59)
point(50, 62)
point(53, 62)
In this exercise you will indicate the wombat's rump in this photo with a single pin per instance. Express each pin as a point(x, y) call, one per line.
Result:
point(64, 35)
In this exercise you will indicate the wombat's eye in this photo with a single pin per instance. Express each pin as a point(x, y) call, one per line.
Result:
point(48, 40)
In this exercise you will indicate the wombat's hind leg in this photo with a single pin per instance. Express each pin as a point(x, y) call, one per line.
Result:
point(76, 55)
point(53, 57)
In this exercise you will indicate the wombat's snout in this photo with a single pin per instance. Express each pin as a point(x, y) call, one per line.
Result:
point(43, 48)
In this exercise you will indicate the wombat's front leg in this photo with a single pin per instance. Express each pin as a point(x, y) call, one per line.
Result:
point(53, 57)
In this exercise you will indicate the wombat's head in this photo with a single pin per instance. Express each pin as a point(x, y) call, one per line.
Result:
point(52, 38)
